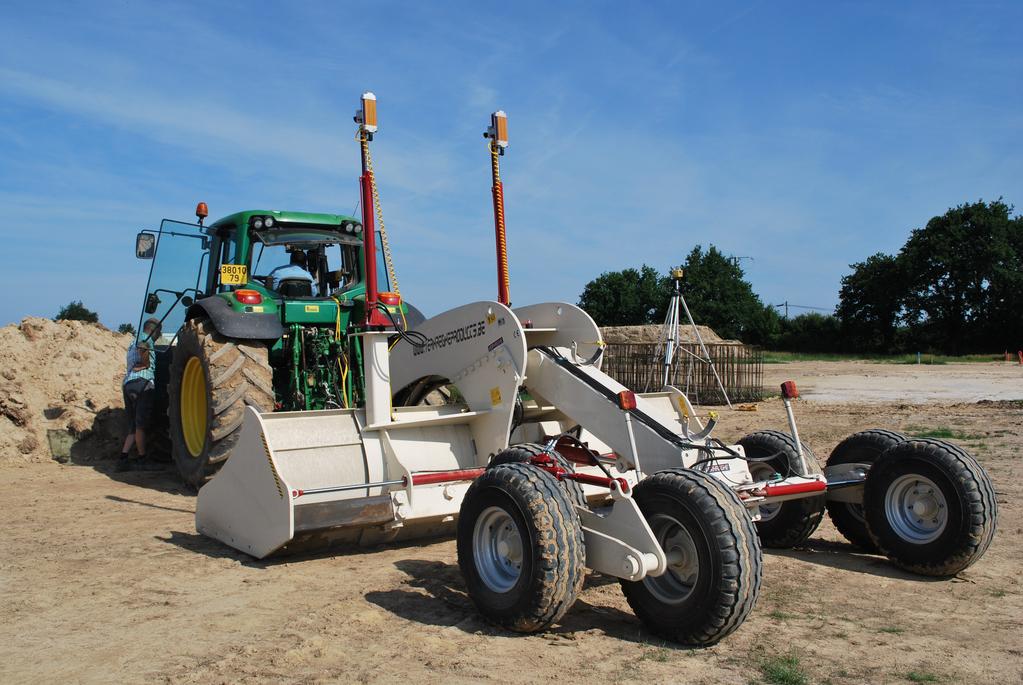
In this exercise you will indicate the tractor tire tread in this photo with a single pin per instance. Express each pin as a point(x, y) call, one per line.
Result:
point(238, 375)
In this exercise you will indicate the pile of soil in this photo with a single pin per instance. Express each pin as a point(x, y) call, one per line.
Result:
point(60, 376)
point(652, 334)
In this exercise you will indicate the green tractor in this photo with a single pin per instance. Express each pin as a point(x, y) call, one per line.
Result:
point(234, 335)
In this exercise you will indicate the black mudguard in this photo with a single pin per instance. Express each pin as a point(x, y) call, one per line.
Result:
point(238, 325)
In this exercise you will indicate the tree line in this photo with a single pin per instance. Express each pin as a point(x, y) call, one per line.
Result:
point(955, 287)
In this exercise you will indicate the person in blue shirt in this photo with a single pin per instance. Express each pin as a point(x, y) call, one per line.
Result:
point(138, 388)
point(296, 269)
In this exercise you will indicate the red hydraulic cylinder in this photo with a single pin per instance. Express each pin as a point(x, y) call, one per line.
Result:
point(795, 488)
point(446, 476)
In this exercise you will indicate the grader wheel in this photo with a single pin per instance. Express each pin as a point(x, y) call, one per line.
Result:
point(864, 448)
point(783, 524)
point(930, 507)
point(520, 547)
point(212, 379)
point(714, 559)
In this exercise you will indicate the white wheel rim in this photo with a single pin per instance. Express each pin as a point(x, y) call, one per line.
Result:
point(762, 471)
point(677, 583)
point(497, 549)
point(916, 509)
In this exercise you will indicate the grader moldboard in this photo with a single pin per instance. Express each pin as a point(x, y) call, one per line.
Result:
point(544, 467)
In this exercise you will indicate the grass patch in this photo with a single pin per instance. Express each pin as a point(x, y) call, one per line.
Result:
point(892, 630)
point(942, 432)
point(783, 670)
point(780, 615)
point(661, 654)
point(779, 357)
point(998, 593)
point(922, 677)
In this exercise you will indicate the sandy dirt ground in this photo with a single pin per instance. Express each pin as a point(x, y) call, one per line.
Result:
point(104, 579)
point(874, 383)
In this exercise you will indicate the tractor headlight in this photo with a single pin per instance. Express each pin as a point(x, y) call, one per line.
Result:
point(257, 223)
point(349, 227)
point(358, 228)
point(268, 222)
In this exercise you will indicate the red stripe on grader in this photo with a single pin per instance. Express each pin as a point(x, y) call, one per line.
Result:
point(795, 488)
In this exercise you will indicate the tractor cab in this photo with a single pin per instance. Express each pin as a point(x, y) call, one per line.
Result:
point(237, 254)
point(240, 331)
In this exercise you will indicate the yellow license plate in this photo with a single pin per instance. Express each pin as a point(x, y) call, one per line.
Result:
point(234, 274)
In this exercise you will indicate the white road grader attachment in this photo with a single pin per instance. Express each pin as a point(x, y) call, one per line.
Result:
point(545, 466)
point(382, 473)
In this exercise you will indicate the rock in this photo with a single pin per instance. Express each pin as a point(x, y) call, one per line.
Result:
point(28, 445)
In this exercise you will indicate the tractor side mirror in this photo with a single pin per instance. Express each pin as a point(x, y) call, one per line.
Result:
point(145, 245)
point(187, 301)
point(152, 303)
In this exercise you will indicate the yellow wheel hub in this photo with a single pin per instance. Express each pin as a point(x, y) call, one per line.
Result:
point(194, 398)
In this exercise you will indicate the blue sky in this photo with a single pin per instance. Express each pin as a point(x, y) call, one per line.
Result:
point(804, 135)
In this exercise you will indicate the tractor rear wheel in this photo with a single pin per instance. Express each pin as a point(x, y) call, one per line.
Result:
point(782, 524)
point(862, 448)
point(212, 379)
point(520, 547)
point(930, 507)
point(714, 558)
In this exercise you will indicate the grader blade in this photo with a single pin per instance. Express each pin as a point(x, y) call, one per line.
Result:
point(269, 495)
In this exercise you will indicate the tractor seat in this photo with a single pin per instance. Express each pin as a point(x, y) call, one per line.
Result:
point(295, 287)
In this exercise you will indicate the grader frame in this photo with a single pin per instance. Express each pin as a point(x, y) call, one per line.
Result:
point(548, 465)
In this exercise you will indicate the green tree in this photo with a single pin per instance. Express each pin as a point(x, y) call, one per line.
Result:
point(76, 311)
point(719, 296)
point(811, 332)
point(962, 268)
point(871, 302)
point(626, 298)
point(1005, 322)
point(126, 328)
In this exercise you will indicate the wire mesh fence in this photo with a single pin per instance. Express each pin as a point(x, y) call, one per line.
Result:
point(640, 367)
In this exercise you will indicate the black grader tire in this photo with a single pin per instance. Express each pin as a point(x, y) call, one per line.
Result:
point(785, 524)
point(930, 507)
point(863, 447)
point(715, 563)
point(524, 452)
point(520, 547)
point(212, 380)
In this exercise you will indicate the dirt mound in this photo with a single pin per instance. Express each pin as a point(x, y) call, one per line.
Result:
point(652, 334)
point(59, 376)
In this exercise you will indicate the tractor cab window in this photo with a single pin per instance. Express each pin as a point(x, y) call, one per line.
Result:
point(328, 258)
point(176, 276)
